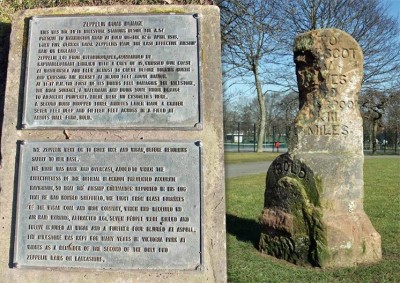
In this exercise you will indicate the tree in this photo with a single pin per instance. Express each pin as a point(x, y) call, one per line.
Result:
point(248, 47)
point(240, 115)
point(256, 34)
point(393, 119)
point(287, 109)
point(373, 105)
point(368, 21)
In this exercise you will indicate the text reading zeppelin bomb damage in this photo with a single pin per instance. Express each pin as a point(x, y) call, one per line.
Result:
point(121, 70)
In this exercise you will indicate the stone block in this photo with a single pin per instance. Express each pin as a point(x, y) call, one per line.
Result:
point(160, 136)
point(318, 185)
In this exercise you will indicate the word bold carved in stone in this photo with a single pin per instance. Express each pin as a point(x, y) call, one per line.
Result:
point(313, 211)
point(292, 212)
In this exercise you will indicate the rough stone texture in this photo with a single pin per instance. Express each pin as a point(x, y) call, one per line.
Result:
point(313, 203)
point(210, 135)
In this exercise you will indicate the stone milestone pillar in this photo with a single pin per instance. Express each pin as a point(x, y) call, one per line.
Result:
point(313, 203)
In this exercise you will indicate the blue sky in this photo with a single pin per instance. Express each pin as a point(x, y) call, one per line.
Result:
point(394, 10)
point(394, 7)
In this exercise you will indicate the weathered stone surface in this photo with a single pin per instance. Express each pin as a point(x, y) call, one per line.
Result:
point(313, 203)
point(291, 220)
point(329, 74)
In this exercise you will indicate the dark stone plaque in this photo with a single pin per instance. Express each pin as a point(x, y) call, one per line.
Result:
point(108, 205)
point(132, 71)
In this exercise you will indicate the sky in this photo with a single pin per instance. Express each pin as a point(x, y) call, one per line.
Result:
point(394, 10)
point(394, 7)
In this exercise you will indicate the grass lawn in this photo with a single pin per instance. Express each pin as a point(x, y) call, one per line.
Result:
point(382, 204)
point(241, 157)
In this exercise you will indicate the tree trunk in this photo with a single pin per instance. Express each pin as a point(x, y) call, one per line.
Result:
point(370, 126)
point(373, 135)
point(263, 112)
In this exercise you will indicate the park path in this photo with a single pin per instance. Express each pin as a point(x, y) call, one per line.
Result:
point(246, 168)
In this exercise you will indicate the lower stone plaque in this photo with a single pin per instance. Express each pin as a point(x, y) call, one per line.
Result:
point(109, 205)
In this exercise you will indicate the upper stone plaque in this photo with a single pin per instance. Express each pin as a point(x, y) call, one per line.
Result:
point(129, 71)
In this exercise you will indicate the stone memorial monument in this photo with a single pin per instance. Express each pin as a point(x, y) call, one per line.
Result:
point(313, 203)
point(112, 153)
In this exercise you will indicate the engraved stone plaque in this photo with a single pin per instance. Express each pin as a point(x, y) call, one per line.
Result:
point(107, 205)
point(132, 71)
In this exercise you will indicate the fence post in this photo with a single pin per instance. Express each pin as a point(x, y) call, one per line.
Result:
point(273, 138)
point(384, 142)
point(238, 137)
point(254, 137)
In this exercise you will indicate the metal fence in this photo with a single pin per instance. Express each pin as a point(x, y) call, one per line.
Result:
point(243, 138)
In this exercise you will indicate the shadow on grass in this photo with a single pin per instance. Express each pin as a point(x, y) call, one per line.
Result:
point(245, 230)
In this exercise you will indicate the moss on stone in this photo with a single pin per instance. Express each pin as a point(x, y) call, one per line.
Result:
point(324, 255)
point(298, 195)
point(166, 10)
point(303, 42)
point(364, 247)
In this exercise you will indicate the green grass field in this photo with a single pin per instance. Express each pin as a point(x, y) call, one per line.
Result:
point(382, 204)
point(241, 157)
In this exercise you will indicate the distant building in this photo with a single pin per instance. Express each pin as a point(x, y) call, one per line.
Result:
point(235, 137)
